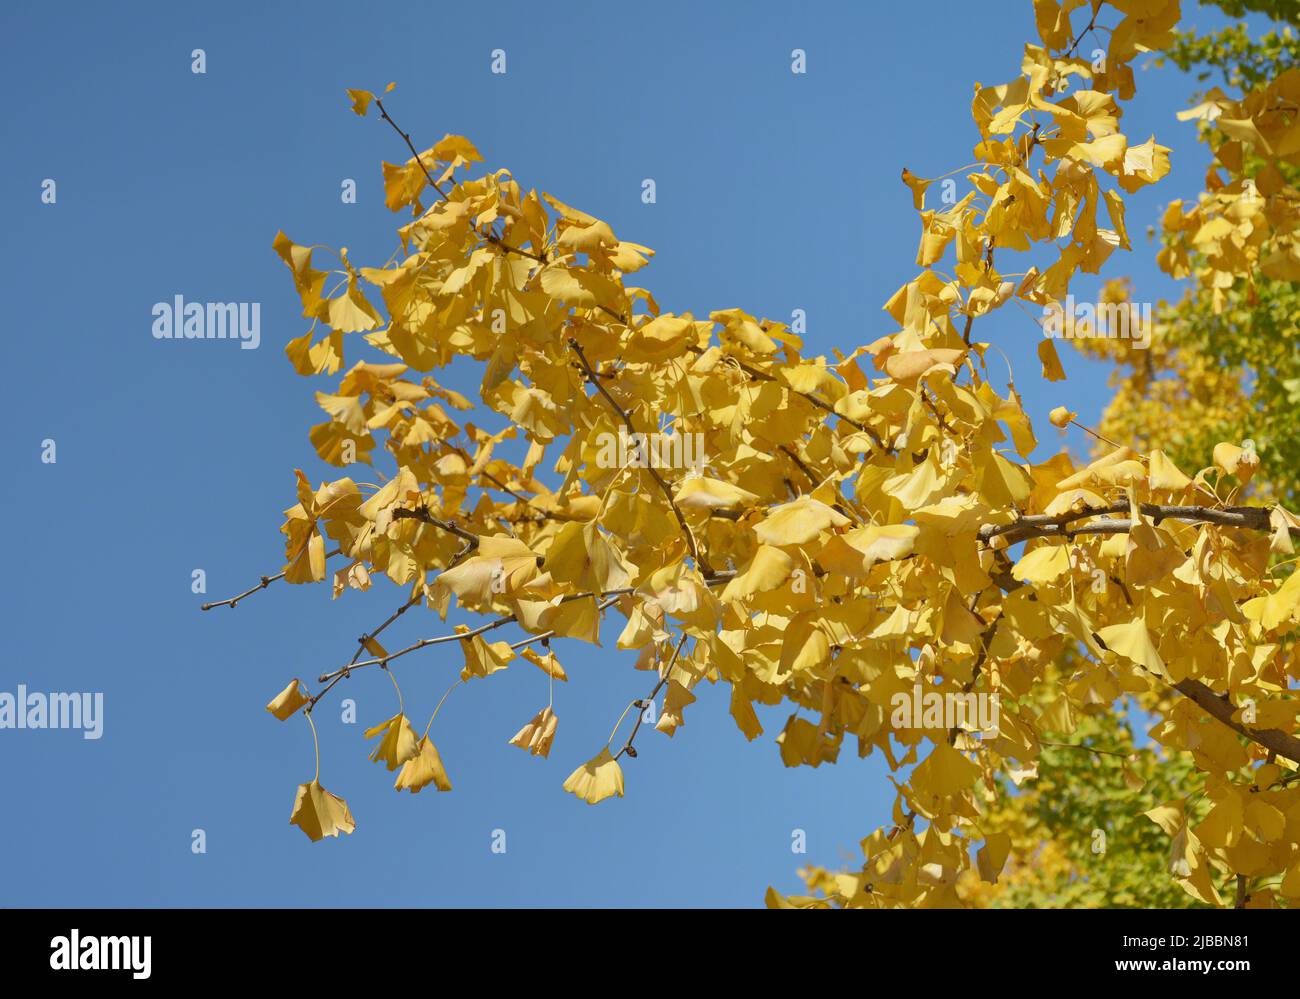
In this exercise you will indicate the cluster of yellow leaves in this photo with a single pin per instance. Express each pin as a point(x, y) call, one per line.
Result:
point(1246, 222)
point(317, 812)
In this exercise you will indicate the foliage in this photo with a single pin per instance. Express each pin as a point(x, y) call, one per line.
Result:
point(1079, 833)
point(1240, 59)
point(1208, 353)
point(1235, 332)
point(856, 529)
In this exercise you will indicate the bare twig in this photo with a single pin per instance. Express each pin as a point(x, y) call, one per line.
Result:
point(1087, 749)
point(266, 581)
point(492, 625)
point(641, 704)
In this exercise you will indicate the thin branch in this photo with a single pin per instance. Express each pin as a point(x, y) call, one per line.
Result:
point(799, 463)
point(641, 704)
point(492, 625)
point(988, 257)
point(934, 410)
point(486, 234)
point(1254, 518)
point(488, 475)
point(364, 640)
point(266, 581)
point(699, 558)
point(450, 526)
point(1090, 25)
point(1217, 706)
point(1087, 749)
point(1220, 707)
point(763, 376)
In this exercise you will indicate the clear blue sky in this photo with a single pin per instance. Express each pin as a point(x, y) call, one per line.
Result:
point(775, 192)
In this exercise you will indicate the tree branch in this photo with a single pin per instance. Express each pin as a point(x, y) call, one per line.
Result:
point(487, 234)
point(1028, 526)
point(641, 704)
point(266, 581)
point(590, 375)
point(1220, 707)
point(492, 625)
point(763, 376)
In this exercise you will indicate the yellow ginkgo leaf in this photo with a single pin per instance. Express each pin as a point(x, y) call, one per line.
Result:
point(1042, 565)
point(1274, 608)
point(537, 735)
point(484, 658)
point(992, 856)
point(1133, 642)
point(289, 700)
point(1236, 461)
point(399, 742)
point(769, 568)
point(906, 366)
point(423, 769)
point(548, 664)
point(675, 700)
point(1088, 475)
point(944, 773)
point(351, 312)
point(500, 565)
point(798, 523)
point(360, 100)
point(918, 187)
point(319, 813)
point(923, 485)
point(663, 337)
point(1164, 474)
point(855, 552)
point(599, 778)
point(581, 554)
point(700, 492)
point(1050, 360)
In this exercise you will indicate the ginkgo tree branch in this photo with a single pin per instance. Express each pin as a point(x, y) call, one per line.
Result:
point(1217, 706)
point(266, 581)
point(1088, 749)
point(425, 643)
point(492, 625)
point(489, 476)
point(641, 704)
point(623, 415)
point(365, 640)
point(1023, 528)
point(1221, 708)
point(1028, 526)
point(856, 464)
point(546, 636)
point(763, 376)
point(451, 527)
point(487, 234)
